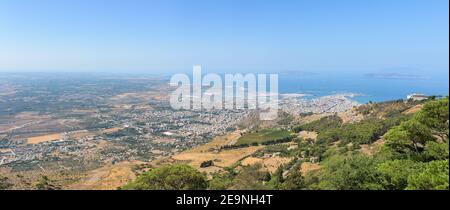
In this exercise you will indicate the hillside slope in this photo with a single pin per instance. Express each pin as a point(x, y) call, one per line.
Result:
point(389, 145)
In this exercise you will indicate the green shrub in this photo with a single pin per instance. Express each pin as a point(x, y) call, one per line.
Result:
point(169, 177)
point(434, 177)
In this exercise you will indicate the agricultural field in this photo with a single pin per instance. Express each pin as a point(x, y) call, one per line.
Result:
point(263, 136)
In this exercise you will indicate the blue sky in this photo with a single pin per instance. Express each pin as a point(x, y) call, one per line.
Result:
point(224, 35)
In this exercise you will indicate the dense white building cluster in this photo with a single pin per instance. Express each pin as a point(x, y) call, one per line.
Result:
point(327, 104)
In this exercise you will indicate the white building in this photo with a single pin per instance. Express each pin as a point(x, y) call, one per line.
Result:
point(416, 97)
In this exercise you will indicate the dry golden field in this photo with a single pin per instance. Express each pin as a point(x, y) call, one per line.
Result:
point(108, 177)
point(210, 151)
point(271, 164)
point(44, 138)
point(308, 135)
point(309, 167)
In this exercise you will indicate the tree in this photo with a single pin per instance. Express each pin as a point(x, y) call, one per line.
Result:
point(169, 177)
point(277, 179)
point(328, 136)
point(395, 173)
point(435, 115)
point(294, 181)
point(355, 172)
point(206, 164)
point(422, 138)
point(434, 177)
point(251, 178)
point(364, 132)
point(4, 183)
point(46, 184)
point(436, 151)
point(221, 181)
point(320, 125)
point(409, 138)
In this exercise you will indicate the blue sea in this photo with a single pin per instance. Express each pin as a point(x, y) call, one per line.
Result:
point(365, 87)
point(368, 87)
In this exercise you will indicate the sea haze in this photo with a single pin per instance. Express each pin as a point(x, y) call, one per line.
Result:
point(363, 87)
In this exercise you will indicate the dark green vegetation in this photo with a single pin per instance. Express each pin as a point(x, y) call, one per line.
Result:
point(170, 177)
point(413, 154)
point(323, 124)
point(348, 136)
point(46, 184)
point(206, 164)
point(4, 183)
point(263, 136)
